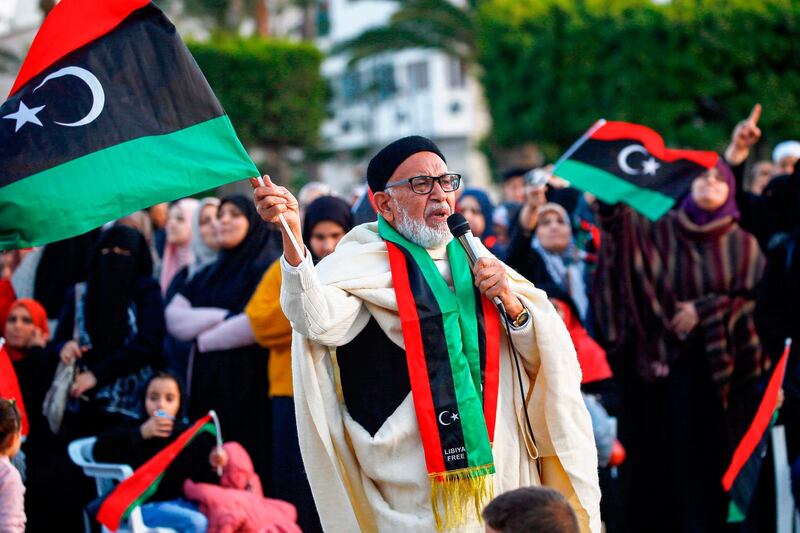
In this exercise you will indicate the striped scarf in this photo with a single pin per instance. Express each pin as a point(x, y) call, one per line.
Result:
point(452, 341)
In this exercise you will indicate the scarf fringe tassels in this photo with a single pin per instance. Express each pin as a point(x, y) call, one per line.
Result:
point(454, 494)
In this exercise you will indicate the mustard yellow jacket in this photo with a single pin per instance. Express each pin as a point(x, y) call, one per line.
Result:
point(272, 330)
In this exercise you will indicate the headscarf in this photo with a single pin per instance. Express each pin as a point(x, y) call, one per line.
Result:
point(326, 208)
point(39, 318)
point(177, 256)
point(204, 255)
point(566, 268)
point(111, 286)
point(700, 216)
point(229, 281)
point(141, 222)
point(487, 208)
point(785, 149)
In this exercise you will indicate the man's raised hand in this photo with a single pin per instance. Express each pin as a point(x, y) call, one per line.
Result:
point(273, 200)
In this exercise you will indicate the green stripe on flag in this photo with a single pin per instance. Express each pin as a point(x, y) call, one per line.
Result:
point(735, 515)
point(612, 189)
point(87, 192)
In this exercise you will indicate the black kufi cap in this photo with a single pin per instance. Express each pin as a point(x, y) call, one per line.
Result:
point(382, 166)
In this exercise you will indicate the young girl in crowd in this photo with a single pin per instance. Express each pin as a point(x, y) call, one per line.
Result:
point(12, 491)
point(135, 446)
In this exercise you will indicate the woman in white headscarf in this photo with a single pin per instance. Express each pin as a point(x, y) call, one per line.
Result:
point(204, 249)
point(178, 249)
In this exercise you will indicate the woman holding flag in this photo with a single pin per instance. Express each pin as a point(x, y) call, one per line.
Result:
point(674, 300)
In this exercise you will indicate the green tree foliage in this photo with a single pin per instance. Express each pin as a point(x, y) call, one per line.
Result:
point(688, 69)
point(272, 90)
point(436, 24)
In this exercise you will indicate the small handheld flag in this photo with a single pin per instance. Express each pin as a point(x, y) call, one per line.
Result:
point(117, 505)
point(109, 114)
point(624, 162)
point(742, 475)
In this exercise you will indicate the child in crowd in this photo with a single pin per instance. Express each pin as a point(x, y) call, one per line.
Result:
point(12, 491)
point(134, 446)
point(528, 509)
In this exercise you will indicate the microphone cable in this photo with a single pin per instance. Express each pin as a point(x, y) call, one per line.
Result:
point(512, 351)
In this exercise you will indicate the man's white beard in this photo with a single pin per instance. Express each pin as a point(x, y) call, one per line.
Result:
point(418, 232)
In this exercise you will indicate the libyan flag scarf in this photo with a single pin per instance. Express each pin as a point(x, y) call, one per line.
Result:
point(109, 114)
point(452, 341)
point(133, 491)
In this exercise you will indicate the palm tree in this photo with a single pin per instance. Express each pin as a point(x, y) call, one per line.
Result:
point(434, 24)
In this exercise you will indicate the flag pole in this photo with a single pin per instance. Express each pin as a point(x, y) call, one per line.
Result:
point(219, 435)
point(577, 144)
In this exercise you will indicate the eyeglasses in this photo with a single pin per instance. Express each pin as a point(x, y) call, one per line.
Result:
point(424, 184)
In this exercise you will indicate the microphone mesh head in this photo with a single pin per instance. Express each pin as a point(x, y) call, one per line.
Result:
point(458, 225)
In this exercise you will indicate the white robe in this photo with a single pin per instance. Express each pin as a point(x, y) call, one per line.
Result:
point(380, 483)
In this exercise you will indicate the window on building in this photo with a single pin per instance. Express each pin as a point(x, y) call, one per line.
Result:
point(383, 85)
point(456, 73)
point(351, 88)
point(417, 74)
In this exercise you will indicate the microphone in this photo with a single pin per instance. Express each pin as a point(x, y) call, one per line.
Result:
point(460, 229)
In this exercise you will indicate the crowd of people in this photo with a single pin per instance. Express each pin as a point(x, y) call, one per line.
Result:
point(171, 312)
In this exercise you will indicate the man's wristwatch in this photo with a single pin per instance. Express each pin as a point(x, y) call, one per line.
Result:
point(521, 319)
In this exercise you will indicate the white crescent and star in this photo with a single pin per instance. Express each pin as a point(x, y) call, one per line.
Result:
point(649, 166)
point(25, 115)
point(453, 418)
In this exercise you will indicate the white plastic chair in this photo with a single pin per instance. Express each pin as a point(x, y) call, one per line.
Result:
point(106, 477)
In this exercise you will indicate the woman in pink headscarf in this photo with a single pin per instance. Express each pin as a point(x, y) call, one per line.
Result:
point(178, 251)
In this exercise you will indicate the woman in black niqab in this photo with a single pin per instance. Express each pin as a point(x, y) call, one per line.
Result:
point(119, 318)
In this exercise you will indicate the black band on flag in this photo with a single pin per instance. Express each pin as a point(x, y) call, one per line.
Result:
point(627, 159)
point(148, 84)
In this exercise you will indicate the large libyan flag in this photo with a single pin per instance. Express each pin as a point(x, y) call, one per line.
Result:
point(109, 114)
point(624, 162)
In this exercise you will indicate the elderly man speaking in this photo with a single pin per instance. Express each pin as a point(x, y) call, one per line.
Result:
point(412, 409)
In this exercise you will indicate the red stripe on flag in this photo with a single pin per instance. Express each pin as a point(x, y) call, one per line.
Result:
point(70, 25)
point(491, 372)
point(652, 141)
point(120, 499)
point(755, 432)
point(415, 355)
